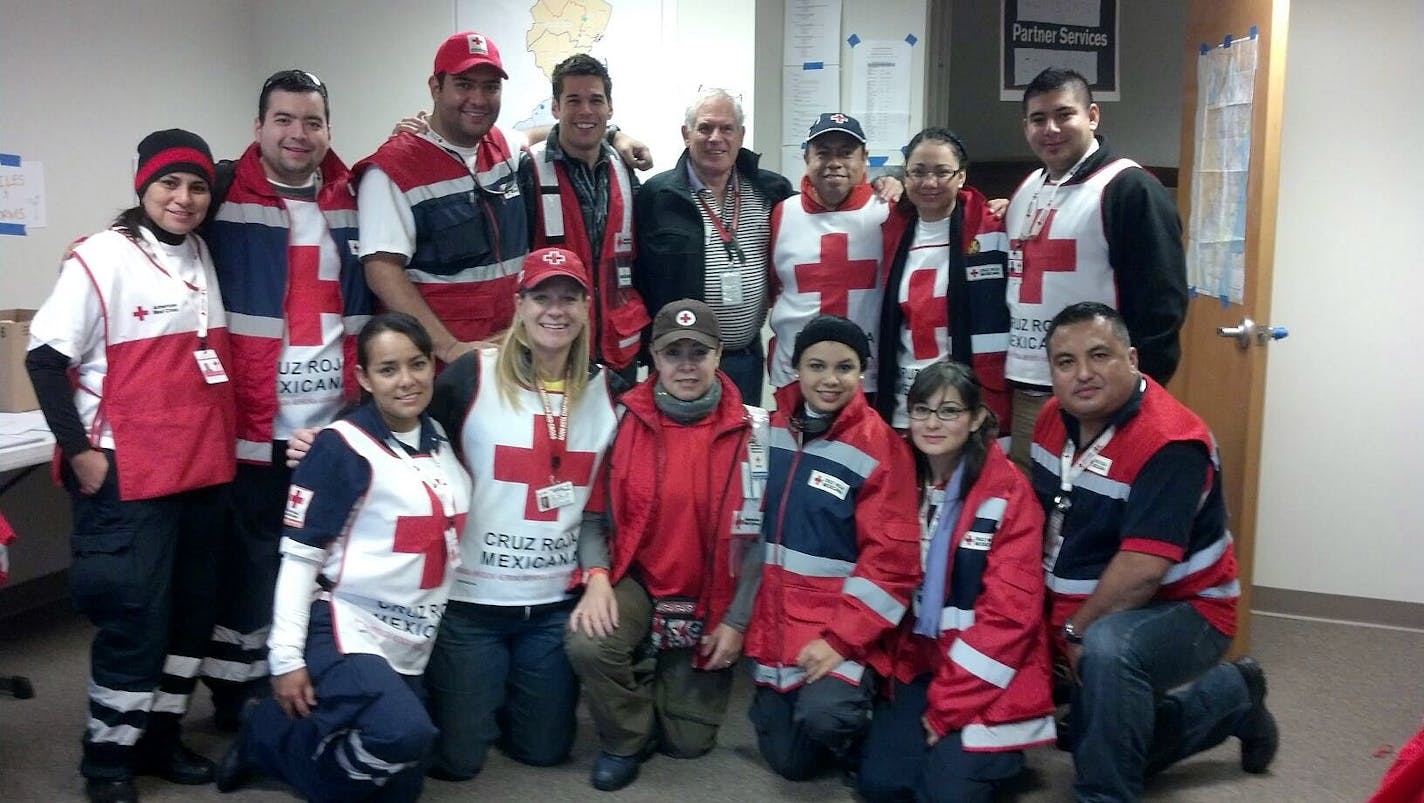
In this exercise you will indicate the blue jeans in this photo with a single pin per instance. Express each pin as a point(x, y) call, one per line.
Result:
point(499, 674)
point(746, 368)
point(1132, 716)
point(896, 766)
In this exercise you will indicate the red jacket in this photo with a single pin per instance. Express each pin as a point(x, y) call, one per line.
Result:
point(992, 672)
point(644, 451)
point(842, 542)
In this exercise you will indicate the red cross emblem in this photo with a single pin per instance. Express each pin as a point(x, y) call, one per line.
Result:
point(836, 274)
point(308, 295)
point(838, 118)
point(555, 257)
point(425, 535)
point(297, 498)
point(686, 318)
point(925, 314)
point(140, 313)
point(477, 45)
point(1043, 255)
point(532, 467)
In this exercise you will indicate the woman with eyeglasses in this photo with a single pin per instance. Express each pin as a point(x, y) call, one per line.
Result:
point(945, 293)
point(660, 626)
point(968, 678)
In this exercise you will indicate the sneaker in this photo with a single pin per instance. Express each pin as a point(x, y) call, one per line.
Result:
point(1259, 735)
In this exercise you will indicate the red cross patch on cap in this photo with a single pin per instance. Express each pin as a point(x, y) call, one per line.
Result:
point(554, 257)
point(686, 318)
point(835, 118)
point(477, 45)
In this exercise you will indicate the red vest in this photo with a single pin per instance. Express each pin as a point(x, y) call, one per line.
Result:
point(618, 315)
point(172, 431)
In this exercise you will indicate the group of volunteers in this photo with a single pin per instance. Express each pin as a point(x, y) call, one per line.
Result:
point(488, 516)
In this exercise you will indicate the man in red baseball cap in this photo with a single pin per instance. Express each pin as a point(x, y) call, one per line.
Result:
point(443, 230)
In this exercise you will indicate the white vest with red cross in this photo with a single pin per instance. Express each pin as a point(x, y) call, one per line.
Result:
point(827, 262)
point(392, 566)
point(1058, 256)
point(521, 540)
point(146, 396)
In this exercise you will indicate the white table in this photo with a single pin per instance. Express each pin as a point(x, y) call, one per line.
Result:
point(25, 440)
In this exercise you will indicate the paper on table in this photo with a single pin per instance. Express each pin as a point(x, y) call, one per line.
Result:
point(16, 423)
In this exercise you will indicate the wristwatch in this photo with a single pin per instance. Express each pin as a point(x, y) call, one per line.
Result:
point(1071, 634)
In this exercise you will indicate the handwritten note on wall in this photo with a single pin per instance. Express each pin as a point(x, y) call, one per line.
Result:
point(22, 195)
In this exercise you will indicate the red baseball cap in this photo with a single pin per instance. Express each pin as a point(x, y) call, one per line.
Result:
point(466, 51)
point(546, 263)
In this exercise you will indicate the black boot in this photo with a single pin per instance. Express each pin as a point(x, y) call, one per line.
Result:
point(1259, 735)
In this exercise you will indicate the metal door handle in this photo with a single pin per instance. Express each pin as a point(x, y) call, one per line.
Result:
point(1248, 332)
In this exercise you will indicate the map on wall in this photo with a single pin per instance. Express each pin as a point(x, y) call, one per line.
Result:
point(533, 36)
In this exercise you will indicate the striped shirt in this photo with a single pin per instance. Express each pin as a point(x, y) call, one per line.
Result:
point(740, 320)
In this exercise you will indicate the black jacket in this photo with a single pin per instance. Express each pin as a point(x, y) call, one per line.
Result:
point(670, 235)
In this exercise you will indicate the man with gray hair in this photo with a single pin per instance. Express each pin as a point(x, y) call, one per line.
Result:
point(703, 230)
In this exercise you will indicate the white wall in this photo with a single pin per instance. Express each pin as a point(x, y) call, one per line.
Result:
point(82, 81)
point(1341, 509)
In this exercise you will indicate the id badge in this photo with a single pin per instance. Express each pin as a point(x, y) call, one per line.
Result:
point(1016, 262)
point(625, 277)
point(211, 366)
point(1052, 540)
point(554, 496)
point(756, 454)
point(731, 286)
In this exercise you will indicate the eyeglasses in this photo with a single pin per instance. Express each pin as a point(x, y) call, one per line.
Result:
point(942, 176)
point(948, 413)
point(295, 80)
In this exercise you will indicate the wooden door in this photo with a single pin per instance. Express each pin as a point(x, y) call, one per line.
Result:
point(1223, 383)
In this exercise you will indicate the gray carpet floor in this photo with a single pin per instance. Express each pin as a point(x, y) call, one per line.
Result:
point(1346, 698)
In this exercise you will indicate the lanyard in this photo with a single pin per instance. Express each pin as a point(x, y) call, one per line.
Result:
point(558, 435)
point(1069, 470)
point(433, 478)
point(201, 288)
point(727, 227)
point(1036, 217)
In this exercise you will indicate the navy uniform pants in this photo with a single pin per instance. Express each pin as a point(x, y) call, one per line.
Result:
point(367, 737)
point(143, 572)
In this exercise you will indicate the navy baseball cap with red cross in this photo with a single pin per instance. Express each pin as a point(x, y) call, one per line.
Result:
point(546, 263)
point(835, 121)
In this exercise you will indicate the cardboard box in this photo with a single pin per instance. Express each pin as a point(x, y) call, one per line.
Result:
point(17, 395)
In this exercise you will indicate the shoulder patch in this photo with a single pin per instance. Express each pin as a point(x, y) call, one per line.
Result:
point(298, 500)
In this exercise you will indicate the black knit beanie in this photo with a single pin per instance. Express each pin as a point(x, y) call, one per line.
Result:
point(172, 151)
point(832, 327)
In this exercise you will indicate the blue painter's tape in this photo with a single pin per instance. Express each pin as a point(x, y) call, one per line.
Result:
point(1225, 302)
point(814, 65)
point(1205, 49)
point(9, 160)
point(912, 39)
point(879, 161)
point(1255, 32)
point(1226, 42)
point(1192, 292)
point(14, 229)
point(853, 40)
